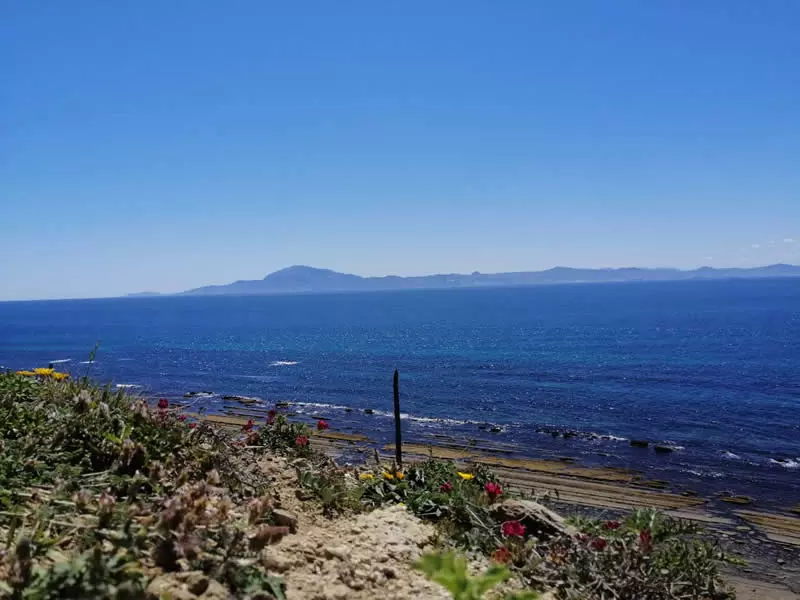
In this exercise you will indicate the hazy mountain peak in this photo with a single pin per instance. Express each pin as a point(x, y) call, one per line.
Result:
point(305, 279)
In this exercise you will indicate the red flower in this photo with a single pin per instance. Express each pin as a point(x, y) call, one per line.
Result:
point(271, 416)
point(181, 418)
point(163, 404)
point(301, 440)
point(492, 490)
point(322, 424)
point(513, 529)
point(598, 544)
point(447, 487)
point(192, 425)
point(611, 525)
point(248, 426)
point(645, 540)
point(501, 555)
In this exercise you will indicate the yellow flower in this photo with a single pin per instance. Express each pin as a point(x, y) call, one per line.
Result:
point(388, 476)
point(43, 372)
point(366, 476)
point(60, 376)
point(465, 476)
point(401, 504)
point(399, 475)
point(26, 373)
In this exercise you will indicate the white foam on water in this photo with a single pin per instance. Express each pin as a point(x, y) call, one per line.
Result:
point(283, 363)
point(86, 362)
point(711, 474)
point(787, 463)
point(386, 414)
point(59, 361)
point(125, 386)
point(731, 456)
point(321, 405)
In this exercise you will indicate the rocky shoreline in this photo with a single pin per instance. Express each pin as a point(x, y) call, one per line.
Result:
point(767, 544)
point(111, 496)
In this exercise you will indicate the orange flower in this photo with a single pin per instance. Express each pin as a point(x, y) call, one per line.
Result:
point(502, 555)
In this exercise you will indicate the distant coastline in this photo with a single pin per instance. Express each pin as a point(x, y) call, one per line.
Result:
point(303, 279)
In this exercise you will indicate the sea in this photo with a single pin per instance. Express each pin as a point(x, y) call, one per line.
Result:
point(710, 369)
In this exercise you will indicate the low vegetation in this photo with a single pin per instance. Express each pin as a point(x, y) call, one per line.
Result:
point(107, 496)
point(102, 494)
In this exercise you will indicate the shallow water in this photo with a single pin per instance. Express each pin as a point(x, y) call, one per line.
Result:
point(711, 368)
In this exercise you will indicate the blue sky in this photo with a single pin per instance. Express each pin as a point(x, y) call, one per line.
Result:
point(166, 145)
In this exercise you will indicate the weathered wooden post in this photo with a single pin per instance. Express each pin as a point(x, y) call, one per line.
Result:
point(398, 451)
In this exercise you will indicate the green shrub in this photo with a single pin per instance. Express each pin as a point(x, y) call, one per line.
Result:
point(98, 490)
point(450, 571)
point(645, 556)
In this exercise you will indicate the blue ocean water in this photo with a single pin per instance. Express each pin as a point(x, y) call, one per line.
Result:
point(710, 367)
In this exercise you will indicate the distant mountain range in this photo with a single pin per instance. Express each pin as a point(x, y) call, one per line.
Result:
point(301, 279)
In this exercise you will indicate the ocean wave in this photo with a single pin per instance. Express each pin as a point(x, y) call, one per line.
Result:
point(786, 463)
point(385, 414)
point(283, 363)
point(125, 386)
point(557, 432)
point(59, 361)
point(731, 455)
point(305, 407)
point(87, 362)
point(711, 474)
point(321, 405)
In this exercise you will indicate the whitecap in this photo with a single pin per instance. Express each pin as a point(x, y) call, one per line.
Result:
point(125, 386)
point(321, 405)
point(712, 474)
point(283, 363)
point(86, 362)
point(59, 361)
point(303, 406)
point(731, 455)
point(787, 463)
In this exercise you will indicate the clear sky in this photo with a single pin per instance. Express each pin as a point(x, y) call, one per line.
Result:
point(163, 145)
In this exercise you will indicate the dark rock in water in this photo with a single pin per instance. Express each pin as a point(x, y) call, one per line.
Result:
point(193, 394)
point(639, 443)
point(369, 411)
point(242, 399)
point(737, 499)
point(554, 434)
point(663, 449)
point(496, 429)
point(348, 410)
point(281, 405)
point(658, 484)
point(483, 426)
point(569, 434)
point(690, 493)
point(538, 520)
